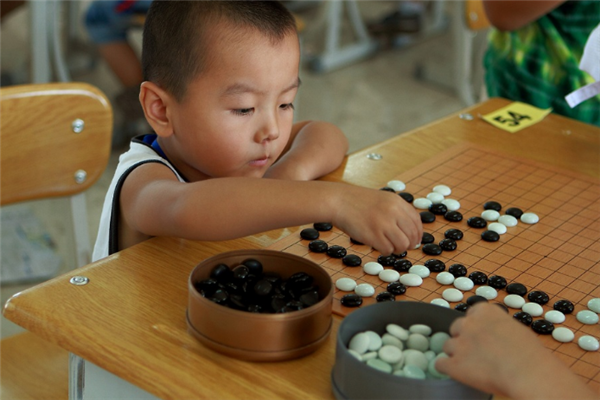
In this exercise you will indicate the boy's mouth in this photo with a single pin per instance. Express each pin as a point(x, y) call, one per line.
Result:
point(260, 162)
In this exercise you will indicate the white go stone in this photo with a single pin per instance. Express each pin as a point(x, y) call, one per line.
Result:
point(508, 220)
point(422, 203)
point(555, 316)
point(451, 204)
point(390, 354)
point(514, 301)
point(452, 295)
point(413, 372)
point(364, 290)
point(445, 278)
point(355, 354)
point(440, 302)
point(435, 198)
point(359, 343)
point(397, 331)
point(434, 372)
point(380, 365)
point(411, 280)
point(416, 358)
point(398, 372)
point(463, 283)
point(398, 186)
point(420, 270)
point(368, 356)
point(587, 317)
point(389, 275)
point(588, 343)
point(391, 340)
point(533, 309)
point(530, 218)
point(345, 284)
point(437, 340)
point(490, 215)
point(563, 334)
point(430, 354)
point(372, 268)
point(374, 340)
point(497, 227)
point(442, 189)
point(423, 329)
point(486, 291)
point(594, 305)
point(418, 342)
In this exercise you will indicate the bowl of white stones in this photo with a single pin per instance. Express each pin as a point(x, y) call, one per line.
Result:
point(388, 350)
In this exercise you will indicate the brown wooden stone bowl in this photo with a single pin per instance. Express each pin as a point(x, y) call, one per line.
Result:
point(261, 337)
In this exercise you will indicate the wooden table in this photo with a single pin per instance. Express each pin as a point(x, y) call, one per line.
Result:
point(130, 318)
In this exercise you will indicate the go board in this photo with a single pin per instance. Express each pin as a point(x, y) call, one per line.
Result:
point(559, 255)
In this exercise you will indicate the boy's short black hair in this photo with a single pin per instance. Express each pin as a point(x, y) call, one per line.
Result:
point(174, 49)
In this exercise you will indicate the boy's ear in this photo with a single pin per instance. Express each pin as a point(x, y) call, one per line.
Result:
point(156, 102)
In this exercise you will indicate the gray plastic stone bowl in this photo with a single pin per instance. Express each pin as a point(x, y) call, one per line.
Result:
point(353, 379)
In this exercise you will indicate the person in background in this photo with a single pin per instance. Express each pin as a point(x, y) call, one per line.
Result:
point(491, 351)
point(533, 54)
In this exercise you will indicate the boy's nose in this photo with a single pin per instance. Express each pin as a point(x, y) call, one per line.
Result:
point(268, 131)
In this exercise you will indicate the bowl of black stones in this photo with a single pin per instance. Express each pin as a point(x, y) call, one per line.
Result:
point(388, 351)
point(260, 305)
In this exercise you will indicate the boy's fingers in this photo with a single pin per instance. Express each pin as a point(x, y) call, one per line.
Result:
point(456, 326)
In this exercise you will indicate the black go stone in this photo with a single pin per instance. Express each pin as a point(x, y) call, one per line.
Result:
point(497, 282)
point(564, 306)
point(492, 205)
point(309, 298)
point(542, 326)
point(448, 244)
point(435, 265)
point(206, 287)
point(454, 234)
point(351, 300)
point(387, 189)
point(263, 288)
point(402, 265)
point(453, 216)
point(516, 288)
point(354, 241)
point(537, 296)
point(523, 317)
point(490, 236)
point(386, 261)
point(438, 209)
point(221, 273)
point(309, 234)
point(318, 246)
point(220, 296)
point(400, 255)
point(457, 270)
point(323, 226)
point(477, 222)
point(255, 266)
point(427, 217)
point(476, 299)
point(461, 307)
point(407, 196)
point(427, 238)
point(240, 272)
point(432, 249)
point(336, 251)
point(385, 296)
point(352, 260)
point(478, 277)
point(396, 288)
point(514, 211)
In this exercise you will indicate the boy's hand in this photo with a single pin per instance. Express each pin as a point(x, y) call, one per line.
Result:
point(381, 219)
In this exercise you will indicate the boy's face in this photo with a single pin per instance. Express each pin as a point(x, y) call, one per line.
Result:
point(236, 116)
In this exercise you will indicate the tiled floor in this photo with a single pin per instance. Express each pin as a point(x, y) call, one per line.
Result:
point(370, 100)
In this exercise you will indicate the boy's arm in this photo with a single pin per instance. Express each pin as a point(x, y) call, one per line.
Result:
point(154, 203)
point(509, 15)
point(314, 149)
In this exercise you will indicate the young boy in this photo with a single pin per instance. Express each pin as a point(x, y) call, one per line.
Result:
point(220, 79)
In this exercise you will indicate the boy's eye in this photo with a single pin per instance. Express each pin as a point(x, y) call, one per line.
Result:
point(243, 111)
point(287, 106)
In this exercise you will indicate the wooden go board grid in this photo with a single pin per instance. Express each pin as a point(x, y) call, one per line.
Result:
point(559, 255)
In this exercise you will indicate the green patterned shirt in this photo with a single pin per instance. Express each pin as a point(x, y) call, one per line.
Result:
point(539, 64)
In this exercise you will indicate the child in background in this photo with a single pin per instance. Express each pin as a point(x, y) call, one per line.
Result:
point(226, 159)
point(494, 353)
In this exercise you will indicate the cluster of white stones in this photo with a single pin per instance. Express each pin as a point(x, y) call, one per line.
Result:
point(438, 195)
point(410, 353)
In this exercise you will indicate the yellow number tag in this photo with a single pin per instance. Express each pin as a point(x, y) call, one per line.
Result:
point(516, 116)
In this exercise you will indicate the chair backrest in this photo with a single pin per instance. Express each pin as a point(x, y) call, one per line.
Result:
point(475, 15)
point(55, 141)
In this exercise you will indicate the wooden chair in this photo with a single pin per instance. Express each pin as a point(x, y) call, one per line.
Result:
point(56, 142)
